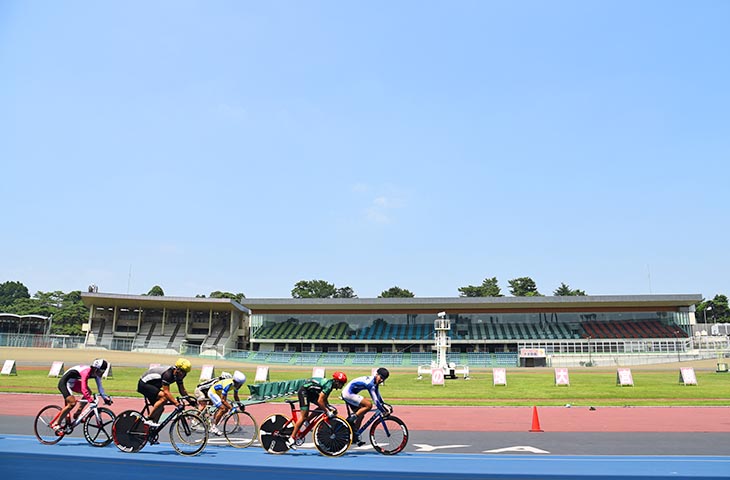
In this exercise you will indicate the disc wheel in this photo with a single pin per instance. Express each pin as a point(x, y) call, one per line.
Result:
point(42, 426)
point(240, 429)
point(129, 431)
point(389, 436)
point(274, 433)
point(189, 433)
point(98, 427)
point(332, 437)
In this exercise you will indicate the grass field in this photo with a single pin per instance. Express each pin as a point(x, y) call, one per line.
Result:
point(525, 387)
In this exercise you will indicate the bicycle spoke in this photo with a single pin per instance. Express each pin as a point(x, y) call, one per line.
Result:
point(189, 433)
point(333, 437)
point(389, 435)
point(239, 429)
point(42, 425)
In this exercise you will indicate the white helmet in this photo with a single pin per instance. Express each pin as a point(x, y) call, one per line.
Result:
point(239, 377)
point(226, 375)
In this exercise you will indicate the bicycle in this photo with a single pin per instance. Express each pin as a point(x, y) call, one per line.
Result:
point(188, 429)
point(388, 433)
point(332, 436)
point(97, 423)
point(239, 427)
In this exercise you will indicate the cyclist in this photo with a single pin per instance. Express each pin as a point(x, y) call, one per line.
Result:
point(201, 391)
point(360, 404)
point(76, 379)
point(315, 390)
point(155, 383)
point(218, 395)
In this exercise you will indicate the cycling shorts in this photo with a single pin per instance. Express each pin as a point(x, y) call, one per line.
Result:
point(150, 392)
point(354, 399)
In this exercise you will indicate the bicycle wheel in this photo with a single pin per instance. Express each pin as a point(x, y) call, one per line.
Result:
point(189, 433)
point(333, 437)
point(274, 433)
point(389, 436)
point(98, 427)
point(240, 429)
point(129, 431)
point(42, 426)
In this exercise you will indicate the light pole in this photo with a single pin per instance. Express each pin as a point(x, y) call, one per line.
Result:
point(708, 307)
point(590, 360)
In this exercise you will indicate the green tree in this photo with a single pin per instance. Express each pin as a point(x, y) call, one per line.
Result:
point(156, 291)
point(565, 291)
point(67, 310)
point(488, 288)
point(12, 291)
point(233, 296)
point(313, 289)
point(523, 287)
point(715, 310)
point(345, 292)
point(396, 292)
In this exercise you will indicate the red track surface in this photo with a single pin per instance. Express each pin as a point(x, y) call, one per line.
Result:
point(480, 419)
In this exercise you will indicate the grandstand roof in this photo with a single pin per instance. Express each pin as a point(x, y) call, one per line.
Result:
point(147, 301)
point(452, 304)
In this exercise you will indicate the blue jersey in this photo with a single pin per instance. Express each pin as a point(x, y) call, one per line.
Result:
point(359, 384)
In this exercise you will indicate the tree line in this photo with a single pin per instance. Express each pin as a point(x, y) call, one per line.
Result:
point(69, 312)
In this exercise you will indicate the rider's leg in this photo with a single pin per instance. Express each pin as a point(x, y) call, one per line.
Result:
point(68, 406)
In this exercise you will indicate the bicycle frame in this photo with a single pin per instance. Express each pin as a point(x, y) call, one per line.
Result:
point(376, 416)
point(316, 415)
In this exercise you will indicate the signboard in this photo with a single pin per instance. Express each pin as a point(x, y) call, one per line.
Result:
point(437, 376)
point(532, 352)
point(154, 365)
point(318, 372)
point(687, 376)
point(561, 376)
point(262, 374)
point(56, 369)
point(207, 372)
point(499, 376)
point(624, 378)
point(108, 373)
point(9, 368)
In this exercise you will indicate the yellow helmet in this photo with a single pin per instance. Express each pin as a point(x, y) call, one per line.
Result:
point(183, 364)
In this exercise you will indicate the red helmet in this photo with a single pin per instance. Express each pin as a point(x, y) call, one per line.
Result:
point(340, 377)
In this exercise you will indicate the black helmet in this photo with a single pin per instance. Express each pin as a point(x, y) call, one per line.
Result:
point(383, 373)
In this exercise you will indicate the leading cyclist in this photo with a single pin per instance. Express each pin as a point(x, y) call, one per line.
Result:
point(76, 379)
point(360, 404)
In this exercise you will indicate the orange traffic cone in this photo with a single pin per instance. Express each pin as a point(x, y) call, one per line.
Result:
point(535, 421)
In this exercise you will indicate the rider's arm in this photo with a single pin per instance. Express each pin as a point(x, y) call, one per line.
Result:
point(85, 373)
point(100, 387)
point(375, 394)
point(181, 388)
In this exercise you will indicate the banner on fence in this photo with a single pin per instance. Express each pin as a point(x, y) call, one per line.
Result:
point(9, 368)
point(561, 376)
point(262, 374)
point(624, 377)
point(687, 376)
point(499, 376)
point(56, 369)
point(207, 372)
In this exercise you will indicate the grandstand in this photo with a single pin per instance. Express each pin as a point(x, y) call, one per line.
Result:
point(388, 331)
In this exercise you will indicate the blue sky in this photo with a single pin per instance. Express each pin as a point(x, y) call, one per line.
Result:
point(244, 146)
